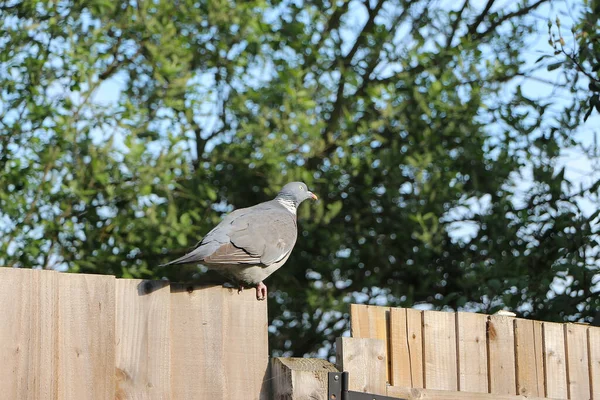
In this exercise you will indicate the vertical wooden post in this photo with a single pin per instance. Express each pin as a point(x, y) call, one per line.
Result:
point(300, 378)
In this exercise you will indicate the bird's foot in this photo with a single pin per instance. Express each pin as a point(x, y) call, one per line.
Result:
point(241, 288)
point(261, 291)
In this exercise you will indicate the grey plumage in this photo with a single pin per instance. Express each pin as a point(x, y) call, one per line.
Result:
point(252, 243)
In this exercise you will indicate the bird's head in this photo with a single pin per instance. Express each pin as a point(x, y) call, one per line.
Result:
point(296, 192)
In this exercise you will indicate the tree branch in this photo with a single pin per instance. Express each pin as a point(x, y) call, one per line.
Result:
point(455, 24)
point(473, 27)
point(507, 17)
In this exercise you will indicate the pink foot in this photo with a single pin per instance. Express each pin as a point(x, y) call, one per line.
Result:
point(261, 291)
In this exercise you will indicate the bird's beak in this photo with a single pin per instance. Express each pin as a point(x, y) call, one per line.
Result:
point(313, 196)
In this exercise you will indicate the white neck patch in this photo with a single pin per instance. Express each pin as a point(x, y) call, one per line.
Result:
point(288, 204)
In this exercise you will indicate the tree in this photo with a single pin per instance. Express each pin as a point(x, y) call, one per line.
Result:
point(583, 58)
point(404, 116)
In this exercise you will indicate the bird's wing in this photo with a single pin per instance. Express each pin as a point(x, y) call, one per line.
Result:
point(268, 234)
point(259, 235)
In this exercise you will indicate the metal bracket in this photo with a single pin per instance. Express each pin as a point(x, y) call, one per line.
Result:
point(337, 389)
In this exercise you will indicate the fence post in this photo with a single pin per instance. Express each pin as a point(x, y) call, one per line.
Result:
point(300, 378)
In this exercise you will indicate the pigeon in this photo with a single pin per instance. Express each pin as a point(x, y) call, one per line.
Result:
point(251, 243)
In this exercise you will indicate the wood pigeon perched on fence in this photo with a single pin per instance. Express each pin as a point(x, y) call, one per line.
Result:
point(252, 243)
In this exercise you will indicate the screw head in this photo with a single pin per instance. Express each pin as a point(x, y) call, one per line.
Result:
point(336, 378)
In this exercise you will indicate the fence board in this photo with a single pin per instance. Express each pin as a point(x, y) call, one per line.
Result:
point(577, 361)
point(472, 352)
point(594, 361)
point(218, 344)
point(501, 346)
point(439, 350)
point(554, 360)
point(28, 337)
point(406, 347)
point(371, 322)
point(142, 350)
point(86, 336)
point(429, 394)
point(246, 352)
point(529, 357)
point(365, 361)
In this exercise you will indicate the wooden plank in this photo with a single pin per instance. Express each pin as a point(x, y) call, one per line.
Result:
point(300, 378)
point(371, 322)
point(578, 376)
point(430, 394)
point(554, 360)
point(86, 332)
point(406, 347)
point(594, 361)
point(439, 350)
point(28, 333)
point(143, 311)
point(472, 352)
point(414, 321)
point(247, 345)
point(501, 348)
point(219, 344)
point(365, 361)
point(529, 357)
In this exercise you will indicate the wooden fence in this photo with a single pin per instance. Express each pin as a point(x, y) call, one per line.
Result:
point(433, 355)
point(77, 336)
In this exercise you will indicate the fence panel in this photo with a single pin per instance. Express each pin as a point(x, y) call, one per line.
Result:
point(78, 336)
point(143, 332)
point(577, 361)
point(501, 344)
point(594, 360)
point(406, 347)
point(28, 334)
point(472, 352)
point(483, 356)
point(554, 360)
point(219, 344)
point(86, 336)
point(529, 357)
point(439, 350)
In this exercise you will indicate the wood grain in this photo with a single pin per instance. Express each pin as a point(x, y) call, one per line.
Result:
point(86, 336)
point(365, 361)
point(28, 333)
point(472, 352)
point(300, 378)
point(577, 361)
point(529, 357)
point(555, 360)
point(439, 350)
point(429, 394)
point(371, 322)
point(218, 344)
point(501, 347)
point(594, 360)
point(406, 347)
point(143, 318)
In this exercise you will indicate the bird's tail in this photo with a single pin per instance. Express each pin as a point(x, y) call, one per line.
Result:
point(189, 258)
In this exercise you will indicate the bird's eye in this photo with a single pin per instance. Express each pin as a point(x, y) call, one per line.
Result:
point(301, 188)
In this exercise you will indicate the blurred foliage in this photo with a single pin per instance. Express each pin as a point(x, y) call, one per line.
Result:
point(583, 58)
point(128, 129)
